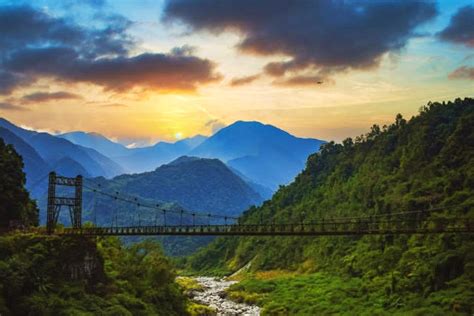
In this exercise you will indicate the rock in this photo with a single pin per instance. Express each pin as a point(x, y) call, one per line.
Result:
point(214, 296)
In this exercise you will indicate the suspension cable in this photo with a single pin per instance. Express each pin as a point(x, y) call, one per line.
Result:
point(146, 205)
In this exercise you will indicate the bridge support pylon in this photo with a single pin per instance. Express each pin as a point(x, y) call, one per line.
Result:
point(55, 203)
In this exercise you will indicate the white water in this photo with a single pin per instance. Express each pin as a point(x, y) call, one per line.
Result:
point(213, 295)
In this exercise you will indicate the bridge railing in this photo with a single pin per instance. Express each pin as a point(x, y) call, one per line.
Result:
point(316, 228)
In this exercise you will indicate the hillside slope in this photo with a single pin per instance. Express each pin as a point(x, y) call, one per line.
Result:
point(424, 163)
point(201, 185)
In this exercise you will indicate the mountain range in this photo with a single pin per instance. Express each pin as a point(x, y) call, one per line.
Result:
point(263, 155)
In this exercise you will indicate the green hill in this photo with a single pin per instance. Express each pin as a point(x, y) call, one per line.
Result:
point(422, 163)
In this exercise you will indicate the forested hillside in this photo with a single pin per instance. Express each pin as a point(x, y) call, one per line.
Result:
point(420, 164)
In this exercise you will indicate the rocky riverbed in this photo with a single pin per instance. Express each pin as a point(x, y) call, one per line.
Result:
point(214, 296)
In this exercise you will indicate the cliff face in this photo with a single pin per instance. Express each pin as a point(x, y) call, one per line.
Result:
point(79, 259)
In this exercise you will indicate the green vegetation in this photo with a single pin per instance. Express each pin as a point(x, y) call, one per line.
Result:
point(51, 275)
point(424, 163)
point(79, 276)
point(15, 203)
point(324, 294)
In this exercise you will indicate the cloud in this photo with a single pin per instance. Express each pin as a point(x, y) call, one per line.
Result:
point(22, 26)
point(6, 106)
point(323, 37)
point(240, 81)
point(36, 45)
point(215, 125)
point(463, 72)
point(46, 96)
point(461, 27)
point(9, 81)
point(154, 71)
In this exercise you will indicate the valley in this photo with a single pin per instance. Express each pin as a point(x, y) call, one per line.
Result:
point(374, 176)
point(228, 158)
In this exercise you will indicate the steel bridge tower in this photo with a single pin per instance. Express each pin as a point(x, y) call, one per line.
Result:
point(55, 203)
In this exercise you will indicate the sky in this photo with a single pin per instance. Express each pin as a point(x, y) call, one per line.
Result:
point(143, 71)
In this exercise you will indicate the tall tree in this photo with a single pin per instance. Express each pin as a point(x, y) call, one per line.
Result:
point(15, 203)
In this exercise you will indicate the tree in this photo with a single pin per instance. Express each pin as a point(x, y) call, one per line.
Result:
point(15, 203)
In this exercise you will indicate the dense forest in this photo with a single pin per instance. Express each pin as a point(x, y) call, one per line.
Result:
point(420, 164)
point(50, 275)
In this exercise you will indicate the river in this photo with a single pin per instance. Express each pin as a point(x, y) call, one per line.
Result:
point(213, 295)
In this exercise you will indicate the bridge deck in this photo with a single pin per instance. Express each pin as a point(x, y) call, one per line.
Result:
point(314, 229)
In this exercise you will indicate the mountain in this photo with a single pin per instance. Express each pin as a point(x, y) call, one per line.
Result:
point(266, 154)
point(150, 158)
point(196, 184)
point(426, 163)
point(56, 151)
point(204, 185)
point(98, 142)
point(35, 166)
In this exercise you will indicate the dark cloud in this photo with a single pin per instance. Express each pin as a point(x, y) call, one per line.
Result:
point(240, 81)
point(463, 72)
point(22, 26)
point(6, 106)
point(46, 96)
point(36, 45)
point(154, 71)
point(461, 27)
point(320, 36)
point(9, 81)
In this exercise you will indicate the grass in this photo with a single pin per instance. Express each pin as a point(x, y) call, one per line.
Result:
point(189, 284)
point(285, 293)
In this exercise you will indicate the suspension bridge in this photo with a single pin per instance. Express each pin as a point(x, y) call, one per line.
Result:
point(412, 222)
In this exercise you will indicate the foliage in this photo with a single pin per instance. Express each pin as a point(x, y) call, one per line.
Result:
point(189, 284)
point(324, 294)
point(79, 276)
point(15, 203)
point(424, 163)
point(195, 309)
